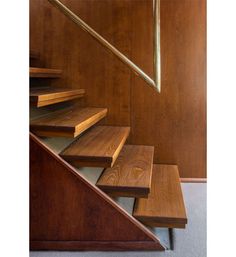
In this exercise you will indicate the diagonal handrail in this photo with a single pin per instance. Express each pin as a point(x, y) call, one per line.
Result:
point(156, 82)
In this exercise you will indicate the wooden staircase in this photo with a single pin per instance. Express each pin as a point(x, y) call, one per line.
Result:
point(128, 169)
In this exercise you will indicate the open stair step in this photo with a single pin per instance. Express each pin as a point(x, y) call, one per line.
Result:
point(131, 174)
point(69, 122)
point(99, 147)
point(42, 96)
point(44, 73)
point(164, 206)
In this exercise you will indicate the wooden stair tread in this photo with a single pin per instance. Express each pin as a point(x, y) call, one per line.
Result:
point(131, 174)
point(43, 96)
point(164, 206)
point(44, 73)
point(68, 122)
point(99, 147)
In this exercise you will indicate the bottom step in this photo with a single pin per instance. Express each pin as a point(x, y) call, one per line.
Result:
point(164, 206)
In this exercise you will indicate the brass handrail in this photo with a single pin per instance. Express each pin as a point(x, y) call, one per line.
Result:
point(156, 26)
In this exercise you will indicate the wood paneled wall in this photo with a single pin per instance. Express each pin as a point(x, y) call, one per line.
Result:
point(173, 121)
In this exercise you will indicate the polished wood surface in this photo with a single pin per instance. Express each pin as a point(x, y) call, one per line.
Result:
point(131, 174)
point(84, 63)
point(44, 73)
point(68, 122)
point(43, 96)
point(68, 212)
point(98, 147)
point(165, 205)
point(108, 46)
point(173, 121)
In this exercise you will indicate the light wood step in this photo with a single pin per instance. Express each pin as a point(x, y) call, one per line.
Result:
point(99, 147)
point(42, 96)
point(69, 122)
point(44, 73)
point(131, 174)
point(164, 206)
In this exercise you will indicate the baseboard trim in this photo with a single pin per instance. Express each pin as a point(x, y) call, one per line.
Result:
point(193, 180)
point(96, 245)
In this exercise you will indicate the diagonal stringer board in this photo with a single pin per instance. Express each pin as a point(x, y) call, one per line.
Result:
point(67, 212)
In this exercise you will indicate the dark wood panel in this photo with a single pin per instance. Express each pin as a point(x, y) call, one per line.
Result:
point(34, 54)
point(69, 122)
point(164, 206)
point(173, 121)
point(131, 174)
point(99, 147)
point(66, 207)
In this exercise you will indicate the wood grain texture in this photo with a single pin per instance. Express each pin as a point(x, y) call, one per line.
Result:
point(84, 63)
point(44, 73)
point(174, 121)
point(69, 122)
point(70, 211)
point(43, 96)
point(165, 205)
point(99, 147)
point(131, 174)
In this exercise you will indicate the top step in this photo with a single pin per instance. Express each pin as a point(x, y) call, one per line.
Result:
point(44, 73)
point(68, 122)
point(164, 206)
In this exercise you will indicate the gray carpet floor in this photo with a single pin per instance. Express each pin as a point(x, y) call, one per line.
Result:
point(190, 242)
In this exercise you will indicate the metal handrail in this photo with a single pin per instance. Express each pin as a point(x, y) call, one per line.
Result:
point(156, 82)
